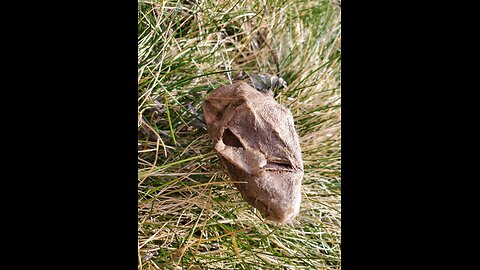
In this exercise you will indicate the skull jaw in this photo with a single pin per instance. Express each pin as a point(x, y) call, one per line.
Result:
point(276, 194)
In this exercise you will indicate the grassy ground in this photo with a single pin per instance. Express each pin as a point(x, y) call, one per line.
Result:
point(189, 215)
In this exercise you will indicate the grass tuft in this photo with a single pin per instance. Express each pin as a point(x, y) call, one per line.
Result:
point(189, 214)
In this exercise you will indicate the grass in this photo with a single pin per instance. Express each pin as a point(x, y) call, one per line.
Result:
point(190, 216)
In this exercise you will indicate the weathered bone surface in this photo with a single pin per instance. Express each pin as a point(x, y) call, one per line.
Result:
point(257, 143)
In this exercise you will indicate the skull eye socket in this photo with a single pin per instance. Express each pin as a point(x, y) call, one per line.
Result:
point(278, 166)
point(230, 139)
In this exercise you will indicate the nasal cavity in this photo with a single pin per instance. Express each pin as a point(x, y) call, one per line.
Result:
point(230, 139)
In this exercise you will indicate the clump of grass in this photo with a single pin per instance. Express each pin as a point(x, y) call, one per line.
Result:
point(189, 213)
